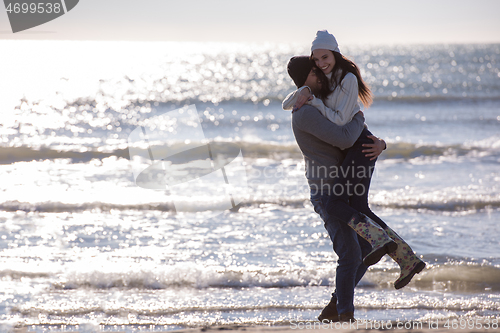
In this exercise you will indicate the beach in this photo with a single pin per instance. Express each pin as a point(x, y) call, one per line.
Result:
point(89, 237)
point(424, 327)
point(350, 327)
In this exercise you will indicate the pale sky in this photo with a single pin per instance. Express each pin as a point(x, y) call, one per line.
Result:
point(351, 21)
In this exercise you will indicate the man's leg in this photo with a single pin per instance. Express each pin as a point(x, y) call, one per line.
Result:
point(350, 268)
point(360, 272)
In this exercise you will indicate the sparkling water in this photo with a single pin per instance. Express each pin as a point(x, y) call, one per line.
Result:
point(82, 244)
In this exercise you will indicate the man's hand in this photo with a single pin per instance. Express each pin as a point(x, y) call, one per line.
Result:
point(375, 148)
point(304, 96)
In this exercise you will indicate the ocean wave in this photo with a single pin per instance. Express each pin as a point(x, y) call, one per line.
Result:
point(194, 276)
point(430, 98)
point(456, 276)
point(153, 313)
point(407, 150)
point(273, 150)
point(59, 207)
point(445, 204)
point(10, 155)
point(453, 276)
point(460, 277)
point(17, 275)
point(277, 96)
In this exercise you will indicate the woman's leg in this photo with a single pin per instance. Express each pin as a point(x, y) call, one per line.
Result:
point(354, 174)
point(359, 202)
point(409, 263)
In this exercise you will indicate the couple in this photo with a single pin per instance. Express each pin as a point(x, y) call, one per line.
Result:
point(340, 155)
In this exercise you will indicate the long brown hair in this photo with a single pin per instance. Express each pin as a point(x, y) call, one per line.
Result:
point(345, 66)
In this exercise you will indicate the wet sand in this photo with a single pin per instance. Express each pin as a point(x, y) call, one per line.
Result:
point(421, 327)
point(468, 325)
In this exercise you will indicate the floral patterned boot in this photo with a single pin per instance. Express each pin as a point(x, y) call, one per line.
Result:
point(379, 240)
point(409, 263)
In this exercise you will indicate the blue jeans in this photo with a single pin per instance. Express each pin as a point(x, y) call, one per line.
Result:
point(349, 247)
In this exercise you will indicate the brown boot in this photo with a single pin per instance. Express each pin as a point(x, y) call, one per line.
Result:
point(347, 317)
point(329, 313)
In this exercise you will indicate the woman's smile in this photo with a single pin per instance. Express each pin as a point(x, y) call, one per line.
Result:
point(324, 59)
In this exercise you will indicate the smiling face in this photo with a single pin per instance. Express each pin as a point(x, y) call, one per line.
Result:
point(324, 59)
point(313, 81)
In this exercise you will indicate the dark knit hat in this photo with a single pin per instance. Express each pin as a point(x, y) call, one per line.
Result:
point(298, 68)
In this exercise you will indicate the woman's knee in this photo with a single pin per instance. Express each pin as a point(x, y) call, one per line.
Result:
point(360, 205)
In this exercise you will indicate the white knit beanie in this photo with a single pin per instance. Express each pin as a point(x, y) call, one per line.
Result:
point(325, 40)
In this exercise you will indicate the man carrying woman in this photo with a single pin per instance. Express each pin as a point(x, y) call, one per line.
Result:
point(340, 155)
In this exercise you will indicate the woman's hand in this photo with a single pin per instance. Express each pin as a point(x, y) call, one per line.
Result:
point(304, 96)
point(374, 149)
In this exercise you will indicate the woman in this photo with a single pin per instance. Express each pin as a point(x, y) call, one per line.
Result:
point(341, 85)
